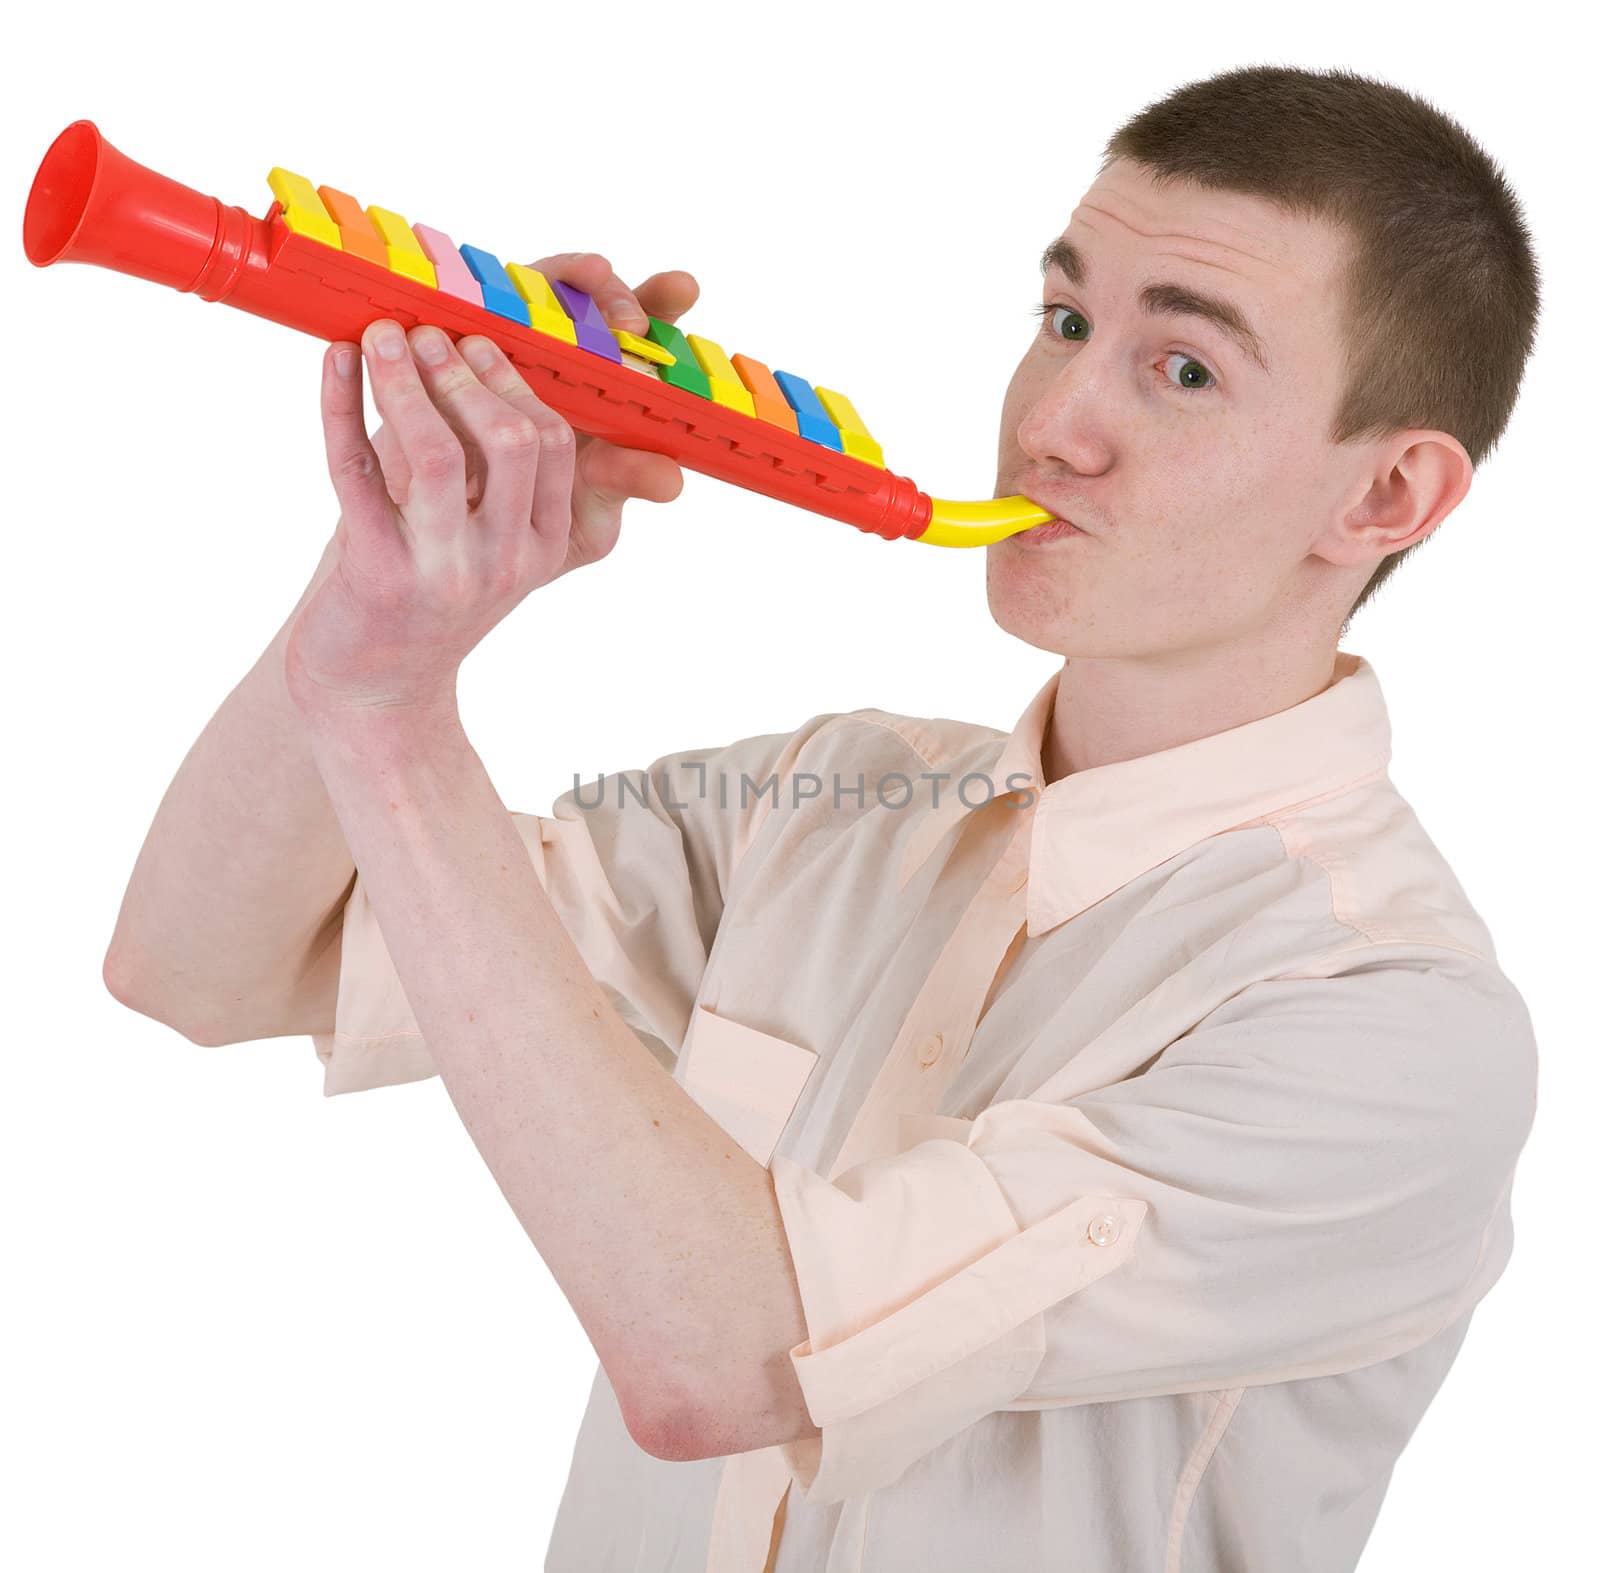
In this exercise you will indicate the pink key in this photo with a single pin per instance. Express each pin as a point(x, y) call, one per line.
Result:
point(455, 277)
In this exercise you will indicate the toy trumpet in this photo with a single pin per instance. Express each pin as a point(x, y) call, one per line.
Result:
point(321, 262)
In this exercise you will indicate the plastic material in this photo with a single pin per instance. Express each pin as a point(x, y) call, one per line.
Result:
point(725, 385)
point(454, 276)
point(92, 204)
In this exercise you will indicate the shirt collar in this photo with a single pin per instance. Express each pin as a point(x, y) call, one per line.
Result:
point(1097, 829)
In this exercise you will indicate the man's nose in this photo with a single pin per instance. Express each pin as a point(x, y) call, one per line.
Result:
point(1070, 421)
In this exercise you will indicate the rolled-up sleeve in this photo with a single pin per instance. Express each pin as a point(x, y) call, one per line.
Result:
point(1313, 1178)
point(637, 865)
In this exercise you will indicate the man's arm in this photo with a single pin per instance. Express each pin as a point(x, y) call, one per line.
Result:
point(663, 1233)
point(229, 928)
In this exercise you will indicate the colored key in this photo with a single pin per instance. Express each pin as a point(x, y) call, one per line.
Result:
point(853, 433)
point(544, 310)
point(590, 326)
point(455, 277)
point(642, 349)
point(406, 257)
point(685, 371)
point(725, 385)
point(808, 411)
point(771, 406)
point(499, 293)
point(303, 211)
point(356, 233)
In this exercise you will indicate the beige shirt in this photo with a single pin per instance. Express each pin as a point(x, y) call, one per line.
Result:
point(1143, 1144)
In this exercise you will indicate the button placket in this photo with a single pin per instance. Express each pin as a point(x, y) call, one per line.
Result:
point(754, 1485)
point(933, 1037)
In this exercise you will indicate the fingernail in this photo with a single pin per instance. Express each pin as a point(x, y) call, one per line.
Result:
point(390, 341)
point(480, 356)
point(431, 347)
point(344, 362)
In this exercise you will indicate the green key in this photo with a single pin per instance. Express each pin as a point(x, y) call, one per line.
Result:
point(685, 373)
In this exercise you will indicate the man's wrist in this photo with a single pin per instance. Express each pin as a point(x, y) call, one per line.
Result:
point(380, 729)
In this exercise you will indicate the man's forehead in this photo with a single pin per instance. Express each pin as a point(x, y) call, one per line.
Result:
point(1249, 236)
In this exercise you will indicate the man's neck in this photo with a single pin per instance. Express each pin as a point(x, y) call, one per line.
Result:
point(1108, 710)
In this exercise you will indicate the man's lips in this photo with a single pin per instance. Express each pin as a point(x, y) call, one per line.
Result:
point(1058, 526)
point(1053, 530)
point(1057, 514)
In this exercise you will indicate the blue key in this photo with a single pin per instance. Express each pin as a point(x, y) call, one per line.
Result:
point(499, 293)
point(808, 411)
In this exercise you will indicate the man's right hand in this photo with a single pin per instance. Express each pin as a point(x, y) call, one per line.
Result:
point(606, 475)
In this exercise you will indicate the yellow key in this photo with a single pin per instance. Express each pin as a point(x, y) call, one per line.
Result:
point(853, 433)
point(543, 307)
point(406, 256)
point(726, 388)
point(645, 349)
point(303, 211)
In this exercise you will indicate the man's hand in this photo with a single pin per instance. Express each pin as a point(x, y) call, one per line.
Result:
point(472, 494)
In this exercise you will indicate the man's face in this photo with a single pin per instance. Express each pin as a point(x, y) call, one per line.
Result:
point(1205, 481)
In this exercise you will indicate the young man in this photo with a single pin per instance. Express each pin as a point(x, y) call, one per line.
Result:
point(1078, 1147)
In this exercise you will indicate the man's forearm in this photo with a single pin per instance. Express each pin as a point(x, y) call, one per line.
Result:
point(227, 926)
point(663, 1233)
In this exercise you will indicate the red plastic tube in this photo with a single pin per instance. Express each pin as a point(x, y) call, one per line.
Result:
point(90, 203)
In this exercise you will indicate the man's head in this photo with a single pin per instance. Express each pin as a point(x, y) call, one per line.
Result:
point(1260, 469)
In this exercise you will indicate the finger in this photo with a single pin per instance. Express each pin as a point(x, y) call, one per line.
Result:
point(615, 474)
point(353, 464)
point(668, 295)
point(503, 432)
point(551, 509)
point(432, 450)
point(594, 275)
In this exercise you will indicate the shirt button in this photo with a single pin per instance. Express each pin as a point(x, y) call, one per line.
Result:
point(1104, 1229)
point(931, 1050)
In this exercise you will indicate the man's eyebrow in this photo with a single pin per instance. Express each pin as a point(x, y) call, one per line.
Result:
point(1165, 300)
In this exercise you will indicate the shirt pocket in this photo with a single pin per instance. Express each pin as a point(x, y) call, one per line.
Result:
point(747, 1080)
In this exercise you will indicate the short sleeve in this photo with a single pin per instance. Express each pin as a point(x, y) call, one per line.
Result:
point(637, 864)
point(1314, 1178)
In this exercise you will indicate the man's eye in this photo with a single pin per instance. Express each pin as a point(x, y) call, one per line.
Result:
point(1071, 326)
point(1191, 365)
point(1073, 333)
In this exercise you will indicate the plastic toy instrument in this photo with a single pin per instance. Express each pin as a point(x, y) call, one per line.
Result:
point(321, 262)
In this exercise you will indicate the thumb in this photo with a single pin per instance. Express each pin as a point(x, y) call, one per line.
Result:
point(669, 295)
point(613, 474)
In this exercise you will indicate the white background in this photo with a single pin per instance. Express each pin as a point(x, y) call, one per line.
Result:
point(251, 1328)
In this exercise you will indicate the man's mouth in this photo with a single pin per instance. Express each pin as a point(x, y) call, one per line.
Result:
point(1062, 527)
point(1042, 534)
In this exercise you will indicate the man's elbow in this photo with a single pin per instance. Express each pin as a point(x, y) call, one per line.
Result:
point(686, 1434)
point(130, 986)
point(660, 1416)
point(672, 1438)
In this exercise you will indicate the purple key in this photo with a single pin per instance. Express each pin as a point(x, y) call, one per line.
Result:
point(587, 323)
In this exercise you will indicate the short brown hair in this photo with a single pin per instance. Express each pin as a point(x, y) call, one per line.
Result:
point(1441, 291)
